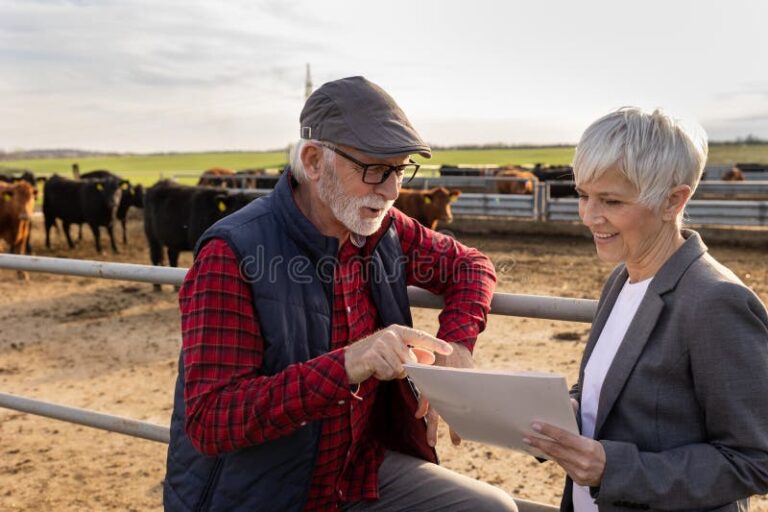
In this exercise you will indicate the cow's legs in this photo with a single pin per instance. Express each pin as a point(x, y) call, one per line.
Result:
point(173, 256)
point(28, 243)
point(49, 222)
point(19, 245)
point(123, 222)
point(156, 255)
point(69, 237)
point(111, 232)
point(80, 233)
point(96, 236)
point(173, 259)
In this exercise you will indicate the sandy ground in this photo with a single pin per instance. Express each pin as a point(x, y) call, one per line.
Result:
point(112, 346)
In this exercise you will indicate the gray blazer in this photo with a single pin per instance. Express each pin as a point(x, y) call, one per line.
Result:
point(683, 411)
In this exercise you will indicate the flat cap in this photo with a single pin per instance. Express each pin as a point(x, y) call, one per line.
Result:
point(360, 114)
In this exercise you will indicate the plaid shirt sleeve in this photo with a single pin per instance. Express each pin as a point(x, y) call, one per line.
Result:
point(464, 276)
point(229, 405)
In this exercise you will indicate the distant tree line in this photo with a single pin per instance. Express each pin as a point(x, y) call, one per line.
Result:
point(749, 140)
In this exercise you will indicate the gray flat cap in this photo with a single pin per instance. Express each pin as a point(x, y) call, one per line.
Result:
point(358, 113)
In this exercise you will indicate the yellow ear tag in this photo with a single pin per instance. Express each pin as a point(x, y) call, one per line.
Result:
point(99, 187)
point(453, 199)
point(222, 206)
point(7, 196)
point(427, 200)
point(124, 186)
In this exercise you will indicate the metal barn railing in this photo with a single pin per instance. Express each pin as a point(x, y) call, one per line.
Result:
point(495, 205)
point(705, 212)
point(540, 206)
point(534, 306)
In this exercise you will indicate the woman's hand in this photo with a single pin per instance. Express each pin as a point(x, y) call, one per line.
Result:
point(581, 457)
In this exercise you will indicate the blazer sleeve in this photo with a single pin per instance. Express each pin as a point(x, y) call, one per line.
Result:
point(727, 340)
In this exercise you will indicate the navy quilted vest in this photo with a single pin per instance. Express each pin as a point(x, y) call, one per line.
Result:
point(290, 267)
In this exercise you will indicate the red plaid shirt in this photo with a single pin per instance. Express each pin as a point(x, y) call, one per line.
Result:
point(229, 405)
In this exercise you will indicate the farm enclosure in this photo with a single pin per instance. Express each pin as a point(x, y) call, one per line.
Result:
point(112, 346)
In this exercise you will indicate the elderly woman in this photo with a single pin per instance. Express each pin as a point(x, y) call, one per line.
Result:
point(672, 397)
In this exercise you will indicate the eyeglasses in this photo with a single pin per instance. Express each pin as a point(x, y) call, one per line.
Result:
point(376, 174)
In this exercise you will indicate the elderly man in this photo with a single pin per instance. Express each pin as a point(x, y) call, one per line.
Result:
point(295, 324)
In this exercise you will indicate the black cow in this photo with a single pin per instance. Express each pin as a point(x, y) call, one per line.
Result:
point(450, 170)
point(14, 176)
point(131, 196)
point(93, 202)
point(555, 174)
point(254, 178)
point(175, 216)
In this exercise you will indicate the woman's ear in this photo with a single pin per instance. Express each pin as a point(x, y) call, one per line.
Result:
point(312, 158)
point(676, 201)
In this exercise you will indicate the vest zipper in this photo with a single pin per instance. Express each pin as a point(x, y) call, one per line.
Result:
point(204, 498)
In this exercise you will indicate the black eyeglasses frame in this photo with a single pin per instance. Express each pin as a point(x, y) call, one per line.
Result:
point(384, 175)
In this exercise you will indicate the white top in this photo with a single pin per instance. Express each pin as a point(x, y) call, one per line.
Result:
point(597, 367)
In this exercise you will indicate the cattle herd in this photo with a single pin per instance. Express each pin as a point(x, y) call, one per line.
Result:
point(176, 215)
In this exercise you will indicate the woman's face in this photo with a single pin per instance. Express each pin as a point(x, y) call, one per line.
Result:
point(623, 229)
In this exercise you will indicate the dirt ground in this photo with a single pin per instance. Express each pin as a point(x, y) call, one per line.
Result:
point(112, 346)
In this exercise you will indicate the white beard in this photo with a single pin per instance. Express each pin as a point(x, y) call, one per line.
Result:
point(347, 209)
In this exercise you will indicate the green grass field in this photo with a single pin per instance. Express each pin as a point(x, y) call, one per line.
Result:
point(147, 169)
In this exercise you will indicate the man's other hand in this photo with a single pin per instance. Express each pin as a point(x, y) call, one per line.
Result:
point(461, 357)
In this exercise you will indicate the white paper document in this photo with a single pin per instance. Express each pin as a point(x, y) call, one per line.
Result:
point(495, 407)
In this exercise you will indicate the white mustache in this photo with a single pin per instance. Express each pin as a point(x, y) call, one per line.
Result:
point(376, 203)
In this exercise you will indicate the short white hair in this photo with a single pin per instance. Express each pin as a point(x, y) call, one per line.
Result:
point(652, 150)
point(297, 166)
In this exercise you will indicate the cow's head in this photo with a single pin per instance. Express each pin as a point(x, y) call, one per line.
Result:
point(733, 174)
point(438, 202)
point(21, 196)
point(230, 203)
point(137, 196)
point(110, 191)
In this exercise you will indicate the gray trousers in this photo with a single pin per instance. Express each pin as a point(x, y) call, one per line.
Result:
point(410, 484)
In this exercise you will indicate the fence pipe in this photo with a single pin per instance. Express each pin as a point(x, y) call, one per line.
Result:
point(97, 269)
point(88, 418)
point(534, 306)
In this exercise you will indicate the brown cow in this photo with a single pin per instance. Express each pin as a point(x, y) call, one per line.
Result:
point(17, 203)
point(217, 177)
point(525, 185)
point(734, 174)
point(428, 206)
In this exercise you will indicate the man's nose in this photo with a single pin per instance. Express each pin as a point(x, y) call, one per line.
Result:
point(390, 189)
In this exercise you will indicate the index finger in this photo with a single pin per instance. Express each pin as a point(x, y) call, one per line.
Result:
point(421, 339)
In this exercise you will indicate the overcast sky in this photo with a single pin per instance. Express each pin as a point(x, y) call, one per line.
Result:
point(166, 75)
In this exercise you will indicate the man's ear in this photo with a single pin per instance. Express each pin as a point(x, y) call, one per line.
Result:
point(312, 158)
point(676, 201)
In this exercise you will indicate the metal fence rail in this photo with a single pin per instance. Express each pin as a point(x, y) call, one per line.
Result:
point(539, 206)
point(127, 426)
point(705, 212)
point(535, 306)
point(494, 205)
